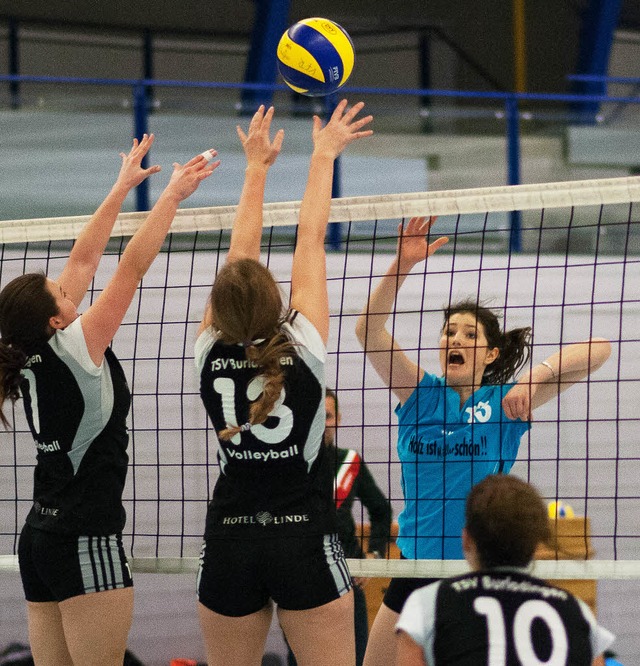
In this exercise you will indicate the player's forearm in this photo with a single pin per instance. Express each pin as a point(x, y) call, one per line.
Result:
point(247, 226)
point(93, 238)
point(571, 363)
point(143, 248)
point(373, 318)
point(316, 202)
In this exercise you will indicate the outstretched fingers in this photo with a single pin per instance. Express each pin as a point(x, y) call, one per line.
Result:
point(258, 146)
point(413, 240)
point(131, 171)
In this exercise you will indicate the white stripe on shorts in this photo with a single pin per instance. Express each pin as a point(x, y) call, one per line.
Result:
point(334, 555)
point(100, 565)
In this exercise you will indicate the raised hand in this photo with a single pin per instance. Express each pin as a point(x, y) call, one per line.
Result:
point(341, 129)
point(258, 147)
point(412, 241)
point(186, 177)
point(131, 172)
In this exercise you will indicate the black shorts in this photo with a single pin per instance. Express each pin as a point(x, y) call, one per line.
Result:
point(238, 576)
point(399, 590)
point(55, 567)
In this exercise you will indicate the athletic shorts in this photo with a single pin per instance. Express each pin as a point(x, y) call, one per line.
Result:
point(238, 577)
point(55, 567)
point(399, 590)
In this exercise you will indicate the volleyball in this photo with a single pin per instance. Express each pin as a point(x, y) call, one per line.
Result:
point(560, 510)
point(315, 57)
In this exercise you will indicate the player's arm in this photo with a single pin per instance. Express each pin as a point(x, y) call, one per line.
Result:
point(556, 374)
point(309, 271)
point(390, 361)
point(101, 321)
point(409, 653)
point(88, 249)
point(260, 152)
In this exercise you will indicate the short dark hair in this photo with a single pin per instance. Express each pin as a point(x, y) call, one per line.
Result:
point(507, 519)
point(330, 393)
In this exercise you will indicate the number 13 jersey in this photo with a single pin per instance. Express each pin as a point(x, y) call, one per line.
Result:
point(272, 480)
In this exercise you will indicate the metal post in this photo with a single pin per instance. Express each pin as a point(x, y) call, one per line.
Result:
point(147, 64)
point(14, 63)
point(513, 169)
point(141, 122)
point(269, 23)
point(334, 232)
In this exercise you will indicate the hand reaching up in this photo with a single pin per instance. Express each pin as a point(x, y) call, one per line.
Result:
point(340, 131)
point(131, 172)
point(412, 241)
point(186, 177)
point(259, 150)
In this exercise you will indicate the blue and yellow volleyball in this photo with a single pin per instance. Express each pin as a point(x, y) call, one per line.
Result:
point(315, 57)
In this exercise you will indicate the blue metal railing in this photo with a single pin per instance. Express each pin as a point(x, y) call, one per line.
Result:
point(263, 93)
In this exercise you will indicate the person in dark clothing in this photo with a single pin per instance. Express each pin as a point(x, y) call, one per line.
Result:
point(353, 480)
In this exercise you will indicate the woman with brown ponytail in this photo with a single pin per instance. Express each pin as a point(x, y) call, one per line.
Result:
point(270, 535)
point(456, 427)
point(76, 402)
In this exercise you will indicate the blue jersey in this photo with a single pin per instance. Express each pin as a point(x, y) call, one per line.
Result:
point(445, 449)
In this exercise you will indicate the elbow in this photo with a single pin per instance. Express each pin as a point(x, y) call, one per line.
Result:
point(361, 329)
point(600, 349)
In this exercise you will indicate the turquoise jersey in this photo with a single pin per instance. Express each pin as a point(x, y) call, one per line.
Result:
point(444, 449)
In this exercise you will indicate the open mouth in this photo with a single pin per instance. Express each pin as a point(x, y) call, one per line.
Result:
point(455, 358)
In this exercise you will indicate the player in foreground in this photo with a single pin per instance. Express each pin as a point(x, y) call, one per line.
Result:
point(270, 532)
point(73, 567)
point(498, 613)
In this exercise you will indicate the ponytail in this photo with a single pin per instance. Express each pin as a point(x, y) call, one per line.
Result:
point(25, 309)
point(267, 356)
point(515, 350)
point(12, 361)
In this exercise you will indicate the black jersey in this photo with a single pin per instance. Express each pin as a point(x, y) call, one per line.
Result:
point(77, 415)
point(502, 616)
point(272, 480)
point(353, 480)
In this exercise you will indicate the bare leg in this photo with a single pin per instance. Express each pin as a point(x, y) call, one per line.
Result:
point(96, 626)
point(237, 641)
point(322, 636)
point(381, 648)
point(46, 635)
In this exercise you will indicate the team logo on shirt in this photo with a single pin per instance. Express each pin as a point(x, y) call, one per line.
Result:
point(265, 518)
point(479, 413)
point(48, 448)
point(46, 510)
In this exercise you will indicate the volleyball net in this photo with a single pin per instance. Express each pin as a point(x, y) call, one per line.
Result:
point(576, 275)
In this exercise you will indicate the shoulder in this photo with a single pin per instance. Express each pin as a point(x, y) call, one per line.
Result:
point(302, 332)
point(422, 395)
point(418, 613)
point(204, 343)
point(70, 343)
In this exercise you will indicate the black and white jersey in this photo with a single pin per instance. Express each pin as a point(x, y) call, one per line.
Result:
point(272, 480)
point(502, 617)
point(77, 415)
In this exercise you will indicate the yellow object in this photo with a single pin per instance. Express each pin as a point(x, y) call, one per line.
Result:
point(560, 509)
